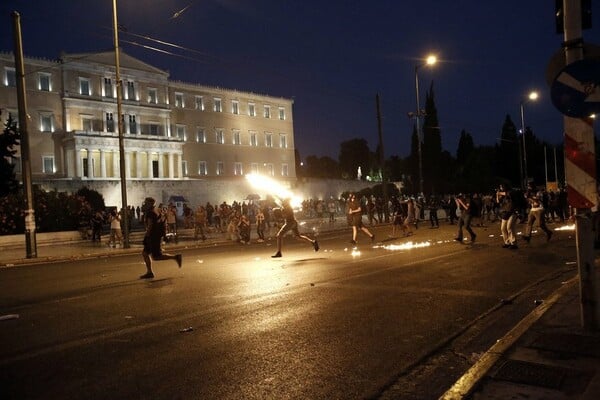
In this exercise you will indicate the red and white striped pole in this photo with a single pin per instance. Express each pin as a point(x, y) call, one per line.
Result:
point(580, 174)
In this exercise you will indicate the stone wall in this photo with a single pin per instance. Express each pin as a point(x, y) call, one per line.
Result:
point(201, 191)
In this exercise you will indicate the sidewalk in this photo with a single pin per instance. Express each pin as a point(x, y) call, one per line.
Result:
point(548, 355)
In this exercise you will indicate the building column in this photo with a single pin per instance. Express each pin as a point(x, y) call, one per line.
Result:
point(90, 164)
point(138, 164)
point(150, 176)
point(180, 166)
point(161, 167)
point(171, 166)
point(102, 164)
point(115, 168)
point(127, 164)
point(78, 165)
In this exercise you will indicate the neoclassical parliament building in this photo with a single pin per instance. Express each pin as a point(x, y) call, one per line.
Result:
point(180, 139)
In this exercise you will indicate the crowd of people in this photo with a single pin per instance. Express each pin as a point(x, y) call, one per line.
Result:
point(243, 221)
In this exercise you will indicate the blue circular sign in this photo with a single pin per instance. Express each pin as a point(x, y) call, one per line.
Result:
point(575, 91)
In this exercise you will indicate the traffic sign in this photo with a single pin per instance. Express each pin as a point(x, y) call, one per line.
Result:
point(575, 91)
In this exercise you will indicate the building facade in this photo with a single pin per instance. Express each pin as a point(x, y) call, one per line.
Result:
point(178, 137)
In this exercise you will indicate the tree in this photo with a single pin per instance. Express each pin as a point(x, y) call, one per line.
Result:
point(432, 145)
point(508, 162)
point(94, 198)
point(8, 140)
point(354, 153)
point(323, 167)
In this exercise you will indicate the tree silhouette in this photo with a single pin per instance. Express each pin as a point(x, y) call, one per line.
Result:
point(9, 139)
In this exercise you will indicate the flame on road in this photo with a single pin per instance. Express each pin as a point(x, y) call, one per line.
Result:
point(406, 246)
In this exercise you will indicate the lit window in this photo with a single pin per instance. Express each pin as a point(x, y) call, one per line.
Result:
point(199, 103)
point(86, 123)
point(200, 135)
point(268, 139)
point(202, 170)
point(180, 131)
point(236, 137)
point(284, 170)
point(267, 112)
point(132, 124)
point(283, 140)
point(44, 82)
point(270, 169)
point(217, 105)
point(179, 100)
point(253, 138)
point(237, 168)
point(220, 168)
point(85, 87)
point(129, 91)
point(152, 96)
point(220, 136)
point(235, 107)
point(110, 123)
point(108, 89)
point(10, 77)
point(48, 164)
point(46, 124)
point(184, 167)
point(281, 113)
point(252, 109)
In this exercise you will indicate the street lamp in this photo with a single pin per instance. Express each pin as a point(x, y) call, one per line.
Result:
point(430, 60)
point(531, 97)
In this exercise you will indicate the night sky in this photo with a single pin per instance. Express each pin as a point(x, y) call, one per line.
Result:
point(332, 57)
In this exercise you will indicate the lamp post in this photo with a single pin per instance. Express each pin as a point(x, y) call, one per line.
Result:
point(122, 166)
point(531, 97)
point(429, 61)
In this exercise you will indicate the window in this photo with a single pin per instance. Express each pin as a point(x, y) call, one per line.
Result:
point(87, 123)
point(268, 139)
point(154, 129)
point(270, 170)
point(202, 170)
point(252, 109)
point(217, 105)
point(44, 82)
point(48, 164)
point(130, 91)
point(235, 107)
point(10, 77)
point(179, 100)
point(284, 170)
point(132, 124)
point(220, 168)
point(253, 138)
point(110, 123)
point(282, 113)
point(267, 112)
point(85, 87)
point(254, 168)
point(199, 102)
point(46, 124)
point(108, 89)
point(152, 96)
point(283, 140)
point(184, 168)
point(237, 168)
point(220, 136)
point(200, 135)
point(236, 137)
point(180, 132)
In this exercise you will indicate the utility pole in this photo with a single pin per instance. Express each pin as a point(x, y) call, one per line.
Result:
point(30, 242)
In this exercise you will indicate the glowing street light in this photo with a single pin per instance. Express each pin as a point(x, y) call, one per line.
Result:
point(430, 60)
point(532, 96)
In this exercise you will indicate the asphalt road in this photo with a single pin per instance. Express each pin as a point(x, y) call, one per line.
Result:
point(234, 323)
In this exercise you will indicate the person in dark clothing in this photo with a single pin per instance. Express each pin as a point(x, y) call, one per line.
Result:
point(290, 224)
point(433, 205)
point(96, 222)
point(463, 203)
point(155, 230)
